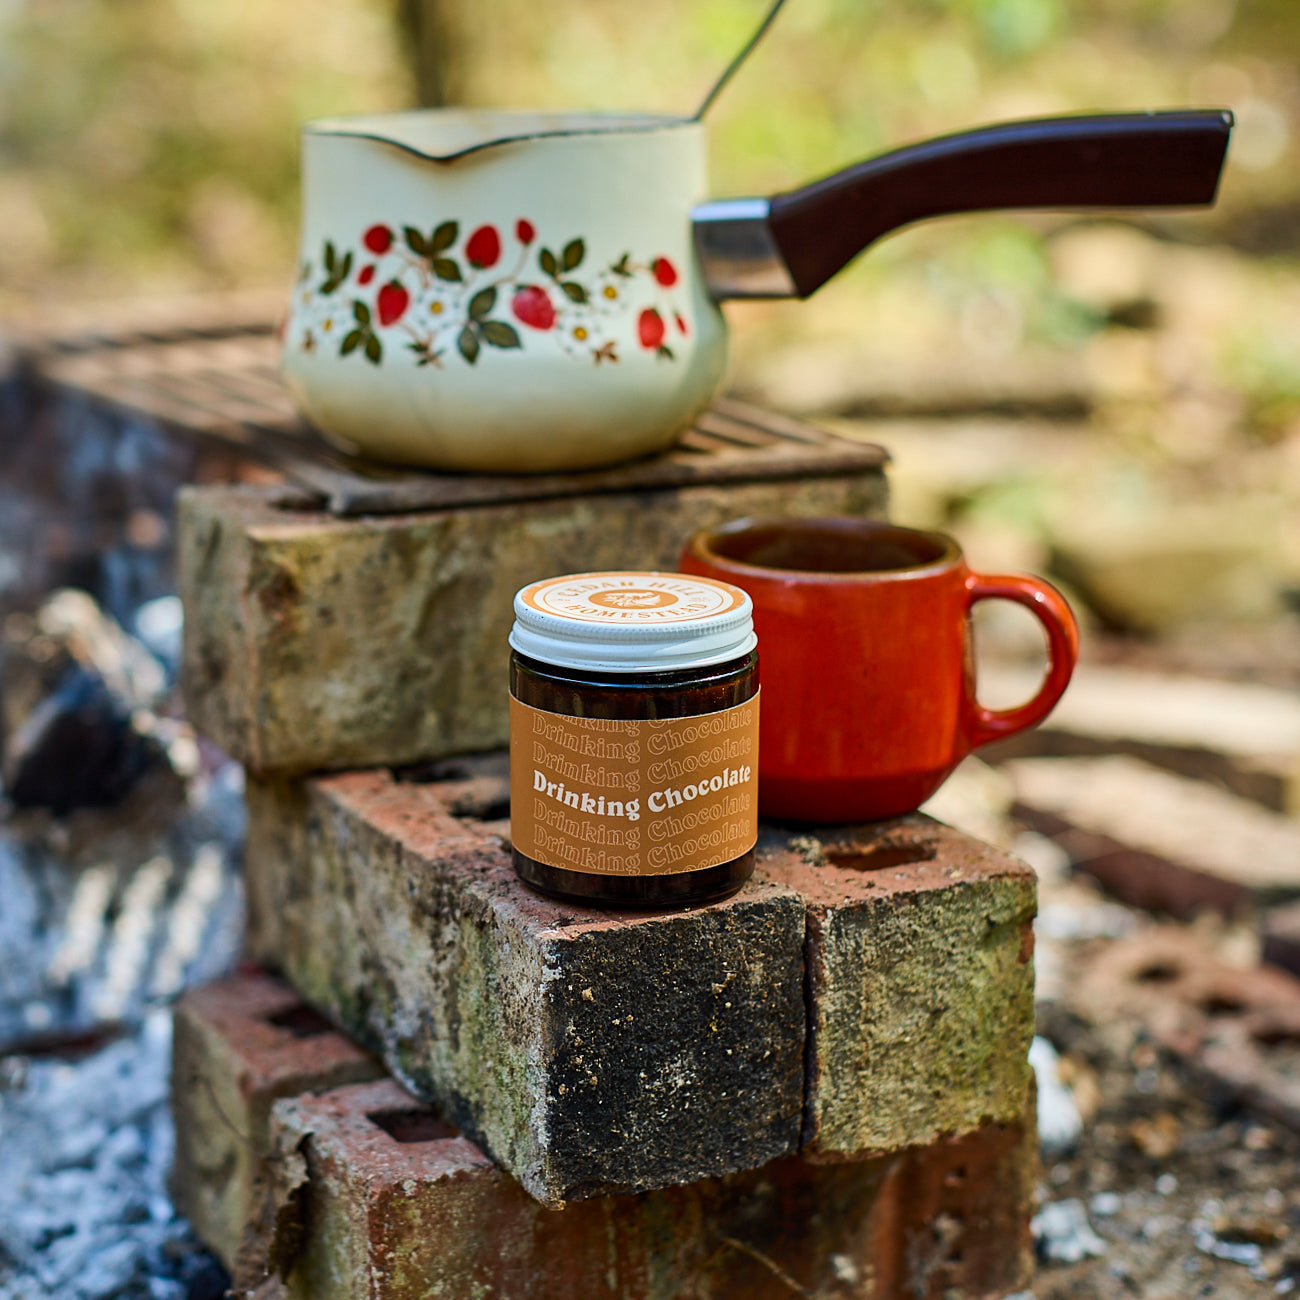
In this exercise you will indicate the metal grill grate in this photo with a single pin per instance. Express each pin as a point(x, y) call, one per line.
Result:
point(214, 376)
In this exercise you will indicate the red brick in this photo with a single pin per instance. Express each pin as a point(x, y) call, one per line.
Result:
point(387, 1219)
point(588, 1051)
point(593, 1052)
point(238, 1046)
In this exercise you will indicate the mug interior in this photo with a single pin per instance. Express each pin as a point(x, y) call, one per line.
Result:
point(829, 546)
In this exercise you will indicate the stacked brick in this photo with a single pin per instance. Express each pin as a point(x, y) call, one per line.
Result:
point(817, 1087)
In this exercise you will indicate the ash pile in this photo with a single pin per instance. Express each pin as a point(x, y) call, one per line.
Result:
point(120, 836)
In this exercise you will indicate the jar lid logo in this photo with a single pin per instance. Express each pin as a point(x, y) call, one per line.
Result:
point(634, 598)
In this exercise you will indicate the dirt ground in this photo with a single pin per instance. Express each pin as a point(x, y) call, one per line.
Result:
point(1173, 1189)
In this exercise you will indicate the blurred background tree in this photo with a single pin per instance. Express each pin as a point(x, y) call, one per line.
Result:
point(151, 147)
point(154, 143)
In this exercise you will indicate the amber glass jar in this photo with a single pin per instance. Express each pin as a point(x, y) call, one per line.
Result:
point(633, 738)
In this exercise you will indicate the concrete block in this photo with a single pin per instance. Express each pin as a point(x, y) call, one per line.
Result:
point(314, 642)
point(1197, 845)
point(919, 970)
point(238, 1046)
point(593, 1052)
point(1241, 736)
point(398, 1206)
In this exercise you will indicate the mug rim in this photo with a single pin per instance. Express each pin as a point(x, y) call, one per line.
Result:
point(700, 546)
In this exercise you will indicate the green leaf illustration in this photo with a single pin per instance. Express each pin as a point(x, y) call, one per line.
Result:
point(444, 237)
point(501, 335)
point(468, 344)
point(424, 352)
point(621, 266)
point(446, 268)
point(361, 313)
point(374, 350)
point(482, 303)
point(546, 259)
point(415, 241)
point(574, 251)
point(573, 291)
point(665, 352)
point(335, 271)
point(352, 343)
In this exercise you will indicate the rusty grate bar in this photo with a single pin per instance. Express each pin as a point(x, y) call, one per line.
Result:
point(217, 378)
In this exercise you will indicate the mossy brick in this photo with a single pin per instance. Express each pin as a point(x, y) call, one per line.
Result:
point(898, 954)
point(238, 1045)
point(589, 1052)
point(321, 643)
point(920, 982)
point(399, 1207)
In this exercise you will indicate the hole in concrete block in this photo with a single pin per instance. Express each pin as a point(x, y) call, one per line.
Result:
point(443, 769)
point(482, 809)
point(464, 767)
point(1277, 1035)
point(1221, 1004)
point(301, 1021)
point(476, 786)
point(877, 859)
point(413, 1124)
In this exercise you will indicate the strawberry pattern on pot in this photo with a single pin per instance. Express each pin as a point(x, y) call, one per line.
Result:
point(455, 294)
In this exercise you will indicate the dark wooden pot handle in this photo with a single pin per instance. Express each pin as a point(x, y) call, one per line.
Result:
point(1123, 160)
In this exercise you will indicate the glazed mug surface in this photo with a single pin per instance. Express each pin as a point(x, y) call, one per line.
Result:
point(865, 657)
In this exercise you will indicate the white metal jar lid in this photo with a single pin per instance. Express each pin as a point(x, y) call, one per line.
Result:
point(628, 622)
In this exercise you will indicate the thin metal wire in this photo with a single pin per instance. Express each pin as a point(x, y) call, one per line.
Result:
point(735, 63)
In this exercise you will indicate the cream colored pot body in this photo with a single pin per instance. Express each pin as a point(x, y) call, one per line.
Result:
point(502, 292)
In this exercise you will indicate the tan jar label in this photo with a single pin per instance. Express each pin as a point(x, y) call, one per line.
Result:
point(634, 798)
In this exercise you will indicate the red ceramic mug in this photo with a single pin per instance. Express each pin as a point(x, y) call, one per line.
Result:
point(865, 659)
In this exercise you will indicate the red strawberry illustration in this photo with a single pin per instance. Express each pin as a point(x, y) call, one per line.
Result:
point(531, 306)
point(650, 328)
point(524, 231)
point(665, 272)
point(378, 239)
point(681, 323)
point(483, 248)
point(392, 302)
point(366, 274)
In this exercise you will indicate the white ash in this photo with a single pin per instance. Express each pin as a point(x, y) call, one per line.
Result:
point(106, 913)
point(1059, 1123)
point(85, 1148)
point(1063, 1234)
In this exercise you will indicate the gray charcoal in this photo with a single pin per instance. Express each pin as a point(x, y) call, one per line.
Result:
point(86, 741)
point(77, 749)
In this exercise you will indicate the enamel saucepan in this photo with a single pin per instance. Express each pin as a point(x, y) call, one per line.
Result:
point(510, 292)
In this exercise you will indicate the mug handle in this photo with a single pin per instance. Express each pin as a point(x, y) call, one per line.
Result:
point(1050, 608)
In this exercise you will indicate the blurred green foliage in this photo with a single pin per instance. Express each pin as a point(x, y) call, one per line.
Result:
point(153, 143)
